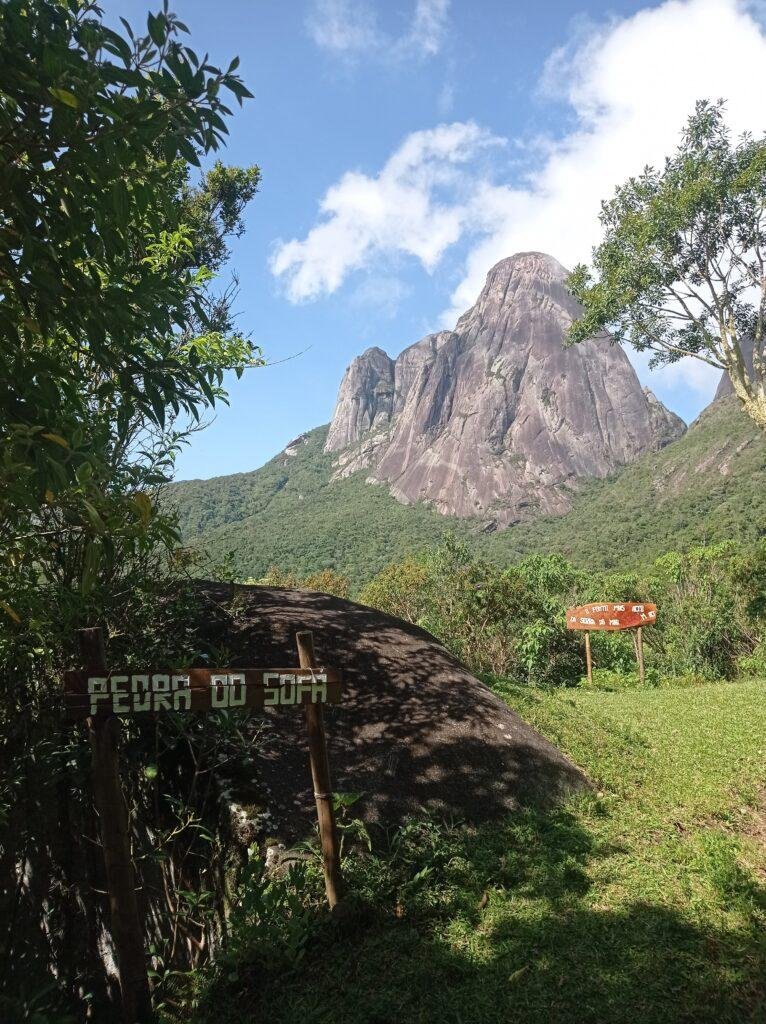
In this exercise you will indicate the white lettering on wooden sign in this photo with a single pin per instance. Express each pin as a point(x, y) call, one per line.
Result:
point(126, 694)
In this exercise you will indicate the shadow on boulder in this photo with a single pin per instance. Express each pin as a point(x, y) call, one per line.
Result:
point(415, 730)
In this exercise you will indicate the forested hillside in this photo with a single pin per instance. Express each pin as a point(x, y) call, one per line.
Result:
point(290, 513)
point(708, 486)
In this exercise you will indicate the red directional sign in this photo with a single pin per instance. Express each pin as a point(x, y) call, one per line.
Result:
point(610, 616)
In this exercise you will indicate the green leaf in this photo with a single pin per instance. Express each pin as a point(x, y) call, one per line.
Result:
point(115, 44)
point(235, 85)
point(125, 76)
point(188, 151)
point(64, 96)
point(90, 566)
point(121, 202)
point(128, 29)
point(157, 403)
point(93, 515)
point(156, 25)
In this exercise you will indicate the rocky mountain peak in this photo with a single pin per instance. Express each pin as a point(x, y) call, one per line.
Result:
point(497, 419)
point(523, 281)
point(535, 272)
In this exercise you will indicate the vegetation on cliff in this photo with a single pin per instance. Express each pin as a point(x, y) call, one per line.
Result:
point(708, 486)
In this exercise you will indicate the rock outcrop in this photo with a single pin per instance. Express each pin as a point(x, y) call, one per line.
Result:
point(415, 730)
point(497, 419)
point(724, 384)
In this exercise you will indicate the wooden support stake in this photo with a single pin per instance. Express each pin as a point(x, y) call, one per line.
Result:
point(320, 774)
point(104, 733)
point(588, 659)
point(640, 654)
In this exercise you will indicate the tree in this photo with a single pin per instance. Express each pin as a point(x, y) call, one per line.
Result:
point(110, 329)
point(681, 270)
point(114, 340)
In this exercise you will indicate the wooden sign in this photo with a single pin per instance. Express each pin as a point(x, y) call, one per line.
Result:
point(609, 616)
point(612, 616)
point(196, 689)
point(103, 696)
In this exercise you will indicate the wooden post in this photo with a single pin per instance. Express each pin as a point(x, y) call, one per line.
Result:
point(126, 925)
point(588, 659)
point(640, 654)
point(320, 774)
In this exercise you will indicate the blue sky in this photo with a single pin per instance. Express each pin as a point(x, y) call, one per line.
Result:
point(406, 145)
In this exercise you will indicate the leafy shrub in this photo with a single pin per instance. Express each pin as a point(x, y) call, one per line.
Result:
point(754, 664)
point(327, 581)
point(502, 622)
point(510, 621)
point(401, 589)
point(276, 577)
point(711, 609)
point(268, 916)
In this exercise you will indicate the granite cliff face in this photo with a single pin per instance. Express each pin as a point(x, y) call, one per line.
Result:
point(497, 419)
point(724, 384)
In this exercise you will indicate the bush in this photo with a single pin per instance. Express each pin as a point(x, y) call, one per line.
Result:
point(754, 664)
point(502, 622)
point(510, 621)
point(327, 581)
point(711, 609)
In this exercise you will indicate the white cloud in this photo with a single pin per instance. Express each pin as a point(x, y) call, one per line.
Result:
point(446, 99)
point(630, 85)
point(690, 377)
point(343, 26)
point(350, 28)
point(381, 292)
point(417, 206)
point(428, 28)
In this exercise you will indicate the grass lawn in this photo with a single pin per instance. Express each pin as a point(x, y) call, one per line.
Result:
point(643, 902)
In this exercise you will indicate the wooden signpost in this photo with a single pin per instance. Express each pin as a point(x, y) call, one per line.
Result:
point(610, 616)
point(320, 775)
point(196, 689)
point(104, 696)
point(104, 734)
